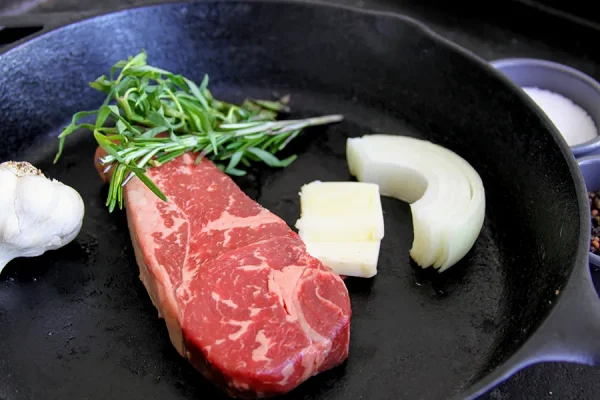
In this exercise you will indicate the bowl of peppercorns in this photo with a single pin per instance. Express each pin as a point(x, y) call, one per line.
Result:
point(590, 169)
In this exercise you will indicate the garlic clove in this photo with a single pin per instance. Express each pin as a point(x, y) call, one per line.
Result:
point(41, 214)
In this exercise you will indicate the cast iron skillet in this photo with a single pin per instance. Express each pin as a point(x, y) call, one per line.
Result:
point(77, 322)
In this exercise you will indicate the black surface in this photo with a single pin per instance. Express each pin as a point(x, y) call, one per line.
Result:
point(311, 101)
point(578, 9)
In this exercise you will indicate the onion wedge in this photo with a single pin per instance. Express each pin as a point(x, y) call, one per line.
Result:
point(445, 193)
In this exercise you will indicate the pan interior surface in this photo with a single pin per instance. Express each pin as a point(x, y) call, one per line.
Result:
point(78, 323)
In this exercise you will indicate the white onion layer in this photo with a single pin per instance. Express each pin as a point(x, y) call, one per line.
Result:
point(445, 193)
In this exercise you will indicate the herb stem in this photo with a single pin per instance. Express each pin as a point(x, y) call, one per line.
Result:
point(160, 116)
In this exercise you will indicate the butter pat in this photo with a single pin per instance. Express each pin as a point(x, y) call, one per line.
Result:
point(340, 212)
point(341, 224)
point(347, 258)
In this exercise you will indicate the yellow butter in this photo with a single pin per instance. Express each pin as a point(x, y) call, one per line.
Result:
point(340, 212)
point(342, 225)
point(347, 258)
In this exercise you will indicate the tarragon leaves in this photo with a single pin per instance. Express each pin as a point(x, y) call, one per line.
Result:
point(157, 116)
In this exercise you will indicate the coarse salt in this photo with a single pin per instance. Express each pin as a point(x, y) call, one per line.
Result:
point(575, 125)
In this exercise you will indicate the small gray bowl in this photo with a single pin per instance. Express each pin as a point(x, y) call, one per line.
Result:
point(590, 169)
point(569, 82)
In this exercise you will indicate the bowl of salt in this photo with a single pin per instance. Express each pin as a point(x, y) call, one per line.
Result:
point(570, 99)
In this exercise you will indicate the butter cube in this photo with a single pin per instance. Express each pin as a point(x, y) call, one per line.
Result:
point(340, 212)
point(341, 224)
point(347, 258)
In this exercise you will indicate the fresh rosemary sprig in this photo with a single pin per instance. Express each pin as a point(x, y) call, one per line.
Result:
point(159, 116)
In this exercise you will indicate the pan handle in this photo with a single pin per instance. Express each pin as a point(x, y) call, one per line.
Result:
point(571, 333)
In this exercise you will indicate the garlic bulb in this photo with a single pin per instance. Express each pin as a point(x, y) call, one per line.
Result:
point(445, 193)
point(38, 214)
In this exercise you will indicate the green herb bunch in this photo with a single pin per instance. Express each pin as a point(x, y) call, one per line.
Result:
point(145, 101)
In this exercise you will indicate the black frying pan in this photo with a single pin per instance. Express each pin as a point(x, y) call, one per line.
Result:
point(77, 322)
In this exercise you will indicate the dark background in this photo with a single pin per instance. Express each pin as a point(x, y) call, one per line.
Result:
point(565, 31)
point(577, 8)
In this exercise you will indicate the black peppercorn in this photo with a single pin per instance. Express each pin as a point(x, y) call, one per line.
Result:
point(595, 217)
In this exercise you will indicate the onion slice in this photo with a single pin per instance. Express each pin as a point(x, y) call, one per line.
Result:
point(446, 195)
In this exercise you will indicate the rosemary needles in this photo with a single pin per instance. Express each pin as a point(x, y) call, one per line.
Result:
point(159, 116)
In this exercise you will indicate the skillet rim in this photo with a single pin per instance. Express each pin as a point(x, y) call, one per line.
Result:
point(525, 354)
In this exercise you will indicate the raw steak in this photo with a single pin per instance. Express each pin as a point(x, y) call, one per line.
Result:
point(242, 299)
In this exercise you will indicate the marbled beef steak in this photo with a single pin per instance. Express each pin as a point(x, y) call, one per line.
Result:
point(242, 299)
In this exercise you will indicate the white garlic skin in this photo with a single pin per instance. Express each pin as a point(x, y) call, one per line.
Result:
point(36, 214)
